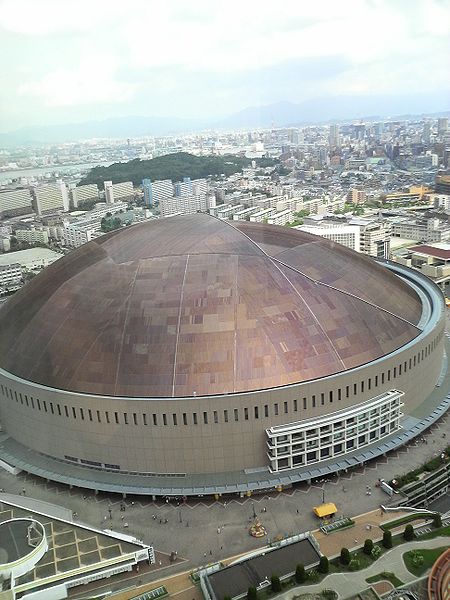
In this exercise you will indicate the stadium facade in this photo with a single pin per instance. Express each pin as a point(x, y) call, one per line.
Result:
point(192, 356)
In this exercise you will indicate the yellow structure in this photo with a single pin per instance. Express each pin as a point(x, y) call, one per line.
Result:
point(325, 510)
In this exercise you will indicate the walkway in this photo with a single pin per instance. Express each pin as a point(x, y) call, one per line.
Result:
point(347, 584)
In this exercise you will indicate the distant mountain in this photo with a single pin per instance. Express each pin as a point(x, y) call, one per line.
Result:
point(279, 114)
point(325, 110)
point(120, 127)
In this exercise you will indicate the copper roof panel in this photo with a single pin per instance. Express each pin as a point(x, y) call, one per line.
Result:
point(115, 318)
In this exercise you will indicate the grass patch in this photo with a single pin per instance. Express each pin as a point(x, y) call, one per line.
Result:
point(436, 533)
point(404, 520)
point(386, 576)
point(419, 561)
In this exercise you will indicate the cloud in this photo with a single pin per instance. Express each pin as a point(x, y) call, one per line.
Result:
point(206, 56)
point(92, 83)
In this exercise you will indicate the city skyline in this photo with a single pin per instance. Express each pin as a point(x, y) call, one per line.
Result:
point(85, 61)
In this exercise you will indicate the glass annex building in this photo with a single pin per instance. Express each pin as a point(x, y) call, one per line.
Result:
point(190, 355)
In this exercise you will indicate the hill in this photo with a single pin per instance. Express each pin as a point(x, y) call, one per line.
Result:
point(171, 166)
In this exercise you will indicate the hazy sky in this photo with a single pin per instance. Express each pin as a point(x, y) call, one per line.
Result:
point(74, 60)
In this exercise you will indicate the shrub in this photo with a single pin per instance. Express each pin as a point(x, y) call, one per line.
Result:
point(408, 534)
point(275, 583)
point(354, 564)
point(368, 547)
point(328, 594)
point(376, 552)
point(345, 557)
point(313, 575)
point(417, 558)
point(437, 520)
point(324, 565)
point(251, 593)
point(300, 574)
point(387, 539)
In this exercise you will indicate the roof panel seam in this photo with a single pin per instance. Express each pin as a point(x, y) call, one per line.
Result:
point(178, 327)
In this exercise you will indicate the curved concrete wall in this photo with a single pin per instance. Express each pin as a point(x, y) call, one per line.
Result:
point(206, 434)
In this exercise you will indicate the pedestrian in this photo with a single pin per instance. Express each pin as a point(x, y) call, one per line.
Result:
point(204, 554)
point(297, 510)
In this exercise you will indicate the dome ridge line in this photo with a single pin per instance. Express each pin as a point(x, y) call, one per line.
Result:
point(347, 293)
point(178, 326)
point(127, 303)
point(248, 238)
point(312, 314)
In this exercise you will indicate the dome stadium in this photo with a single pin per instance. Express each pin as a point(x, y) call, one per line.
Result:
point(191, 355)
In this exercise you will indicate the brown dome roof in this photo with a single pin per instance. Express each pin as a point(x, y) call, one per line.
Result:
point(193, 305)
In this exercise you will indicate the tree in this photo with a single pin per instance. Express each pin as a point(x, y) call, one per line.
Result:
point(376, 552)
point(354, 565)
point(408, 534)
point(437, 520)
point(324, 565)
point(275, 583)
point(387, 539)
point(252, 593)
point(368, 547)
point(300, 574)
point(345, 557)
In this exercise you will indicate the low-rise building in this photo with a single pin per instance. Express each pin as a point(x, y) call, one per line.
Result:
point(347, 235)
point(263, 215)
point(31, 259)
point(281, 218)
point(185, 205)
point(32, 236)
point(10, 274)
point(432, 260)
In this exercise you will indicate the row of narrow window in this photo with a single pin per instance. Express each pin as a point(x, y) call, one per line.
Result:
point(205, 418)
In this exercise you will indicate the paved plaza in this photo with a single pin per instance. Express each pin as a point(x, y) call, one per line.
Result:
point(220, 529)
point(204, 530)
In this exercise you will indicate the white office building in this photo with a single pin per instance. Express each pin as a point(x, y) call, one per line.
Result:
point(347, 235)
point(77, 234)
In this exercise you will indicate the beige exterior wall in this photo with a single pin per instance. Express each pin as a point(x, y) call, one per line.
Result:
point(202, 448)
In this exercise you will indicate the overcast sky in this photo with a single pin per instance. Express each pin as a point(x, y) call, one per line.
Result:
point(74, 60)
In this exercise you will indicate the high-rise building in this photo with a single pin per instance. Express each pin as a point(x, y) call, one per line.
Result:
point(118, 191)
point(50, 198)
point(15, 202)
point(442, 125)
point(333, 136)
point(148, 192)
point(83, 194)
point(109, 192)
point(183, 188)
point(155, 191)
point(64, 194)
point(123, 192)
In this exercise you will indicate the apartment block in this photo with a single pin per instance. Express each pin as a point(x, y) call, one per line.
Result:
point(15, 202)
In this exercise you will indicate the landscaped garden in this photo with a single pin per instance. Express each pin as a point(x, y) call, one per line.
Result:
point(419, 561)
